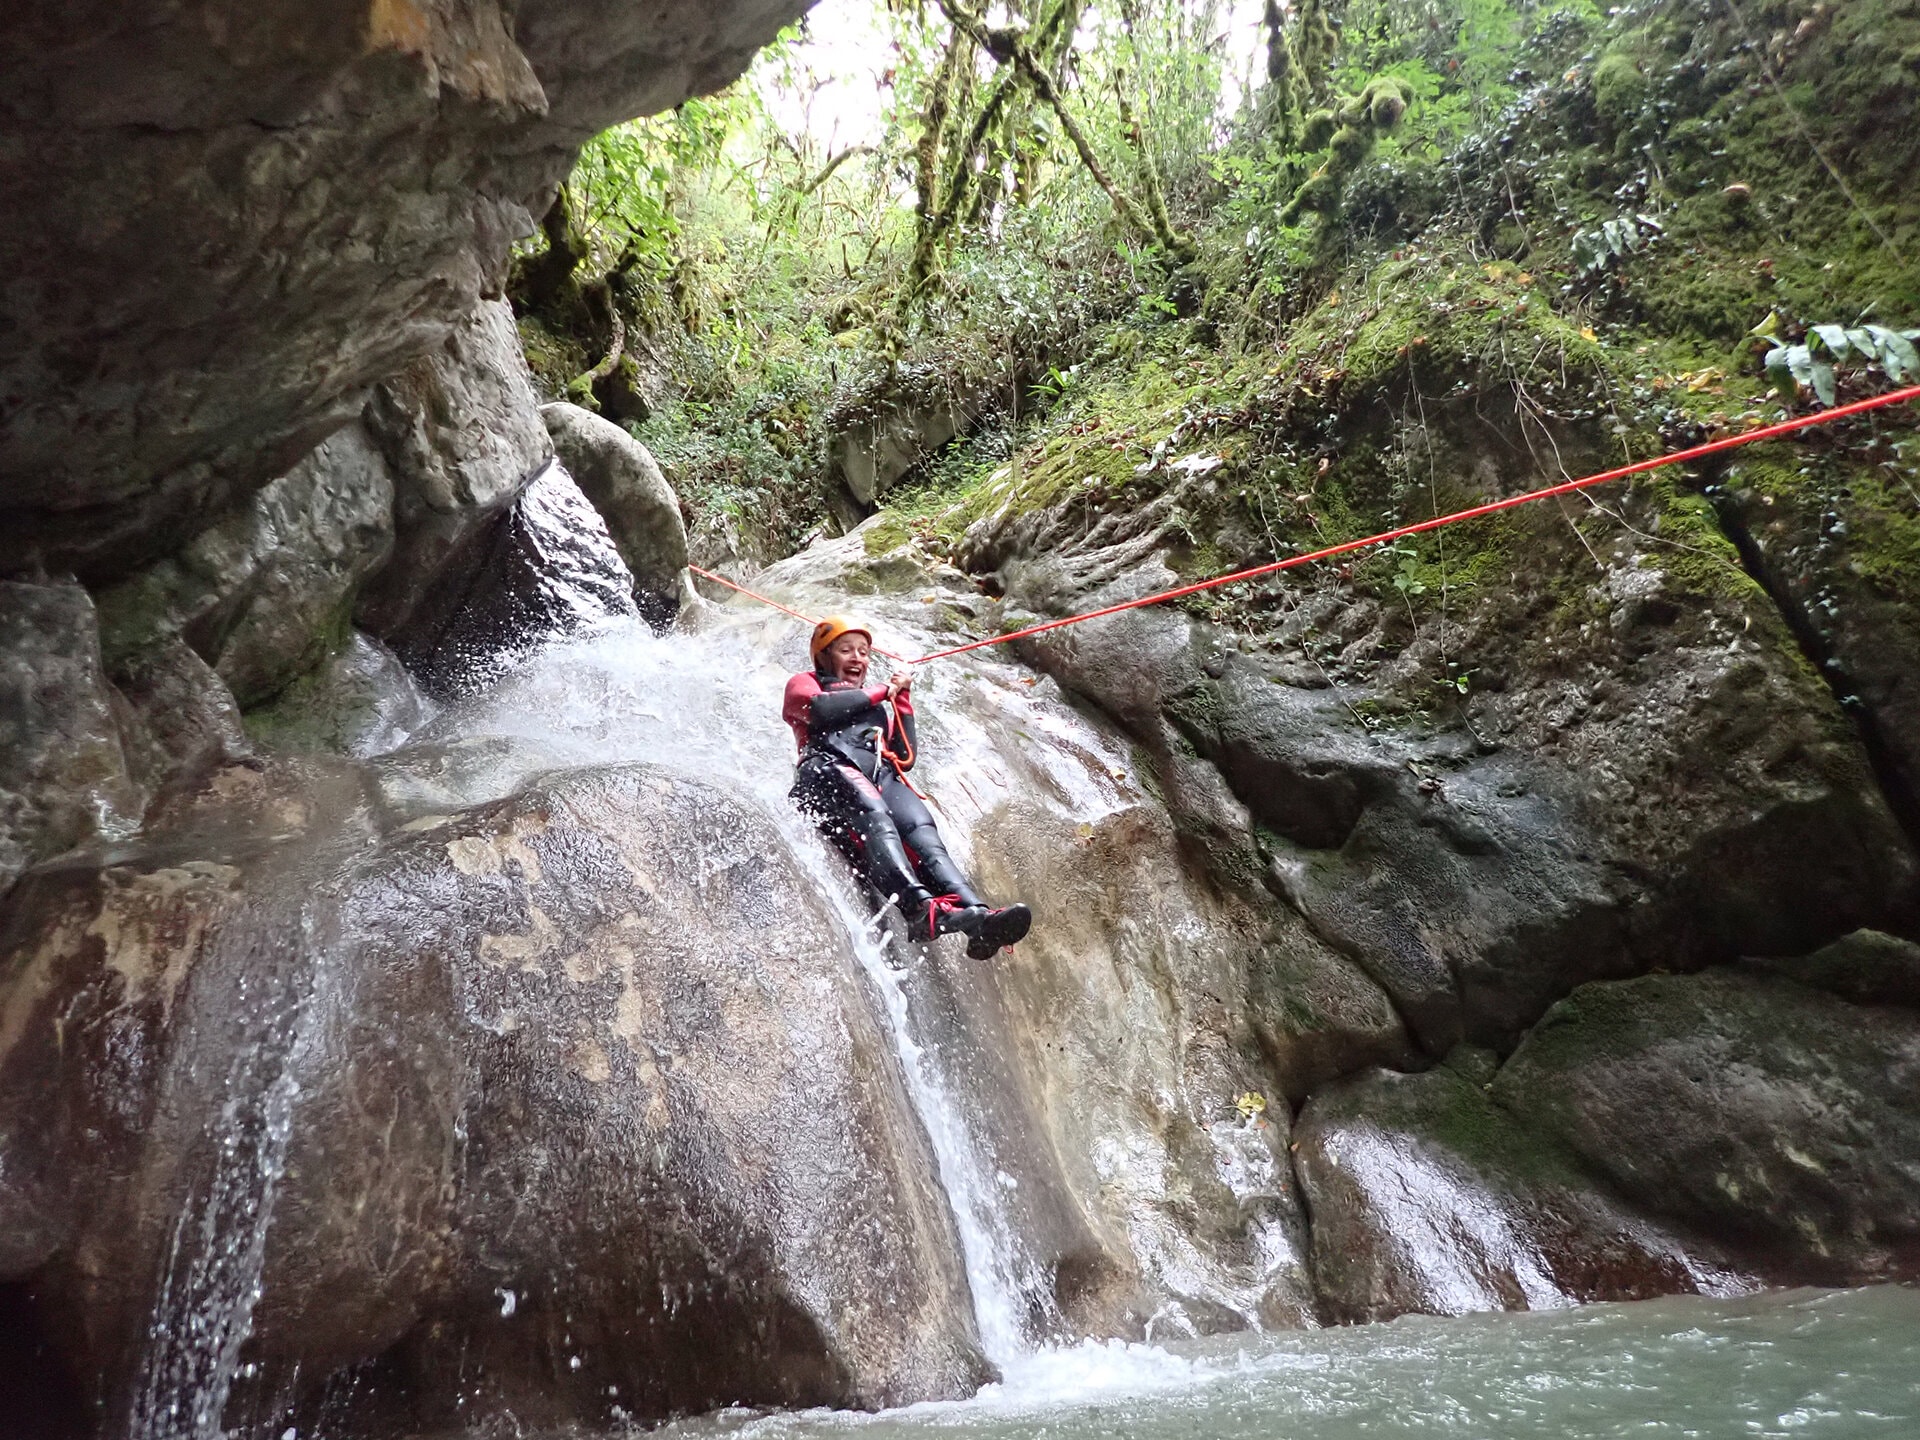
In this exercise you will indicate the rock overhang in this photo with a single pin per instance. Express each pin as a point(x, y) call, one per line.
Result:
point(244, 216)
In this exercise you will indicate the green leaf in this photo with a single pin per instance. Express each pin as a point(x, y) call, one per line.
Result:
point(1897, 354)
point(1834, 337)
point(1823, 384)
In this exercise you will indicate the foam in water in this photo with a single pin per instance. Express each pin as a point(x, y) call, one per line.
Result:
point(1836, 1365)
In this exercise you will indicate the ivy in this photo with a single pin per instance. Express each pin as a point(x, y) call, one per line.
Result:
point(1599, 249)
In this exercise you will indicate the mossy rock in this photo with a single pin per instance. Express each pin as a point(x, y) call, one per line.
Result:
point(1619, 89)
point(1774, 1115)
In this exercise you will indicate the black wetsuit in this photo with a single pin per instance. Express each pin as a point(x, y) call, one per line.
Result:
point(849, 781)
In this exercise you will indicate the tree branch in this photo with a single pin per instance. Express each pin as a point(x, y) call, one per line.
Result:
point(1008, 47)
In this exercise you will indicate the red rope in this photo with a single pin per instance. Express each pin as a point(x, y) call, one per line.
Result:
point(755, 595)
point(1679, 457)
point(1786, 427)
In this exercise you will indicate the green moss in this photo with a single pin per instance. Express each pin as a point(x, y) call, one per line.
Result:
point(885, 534)
point(1619, 88)
point(554, 357)
point(1436, 316)
point(1451, 1106)
point(1694, 550)
point(1876, 505)
point(1094, 442)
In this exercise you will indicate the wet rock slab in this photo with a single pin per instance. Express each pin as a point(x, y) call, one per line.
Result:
point(1428, 1198)
point(1651, 1136)
point(63, 769)
point(586, 1110)
point(1782, 1120)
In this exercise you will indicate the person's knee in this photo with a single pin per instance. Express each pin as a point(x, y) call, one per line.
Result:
point(925, 840)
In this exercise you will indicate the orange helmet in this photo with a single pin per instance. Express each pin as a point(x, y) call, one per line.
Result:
point(831, 629)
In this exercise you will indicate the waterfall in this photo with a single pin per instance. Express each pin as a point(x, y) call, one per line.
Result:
point(995, 1268)
point(215, 1254)
point(709, 705)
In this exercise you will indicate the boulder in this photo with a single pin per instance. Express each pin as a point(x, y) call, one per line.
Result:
point(243, 224)
point(585, 1115)
point(870, 454)
point(549, 569)
point(185, 720)
point(618, 474)
point(1781, 1120)
point(1427, 1197)
point(1868, 967)
point(460, 427)
point(263, 596)
point(63, 764)
point(1110, 1052)
point(361, 702)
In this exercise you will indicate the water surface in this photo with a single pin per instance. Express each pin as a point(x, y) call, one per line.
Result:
point(1786, 1364)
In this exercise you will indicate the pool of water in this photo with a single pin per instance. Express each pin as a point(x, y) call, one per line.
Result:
point(1842, 1363)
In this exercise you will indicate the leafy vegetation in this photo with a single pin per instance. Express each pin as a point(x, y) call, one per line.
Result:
point(1215, 262)
point(1811, 363)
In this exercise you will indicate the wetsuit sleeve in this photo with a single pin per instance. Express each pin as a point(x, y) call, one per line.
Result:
point(796, 706)
point(807, 708)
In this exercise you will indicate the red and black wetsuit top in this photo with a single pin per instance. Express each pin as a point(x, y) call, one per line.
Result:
point(840, 720)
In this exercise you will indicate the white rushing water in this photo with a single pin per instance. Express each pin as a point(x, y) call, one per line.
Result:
point(211, 1282)
point(709, 706)
point(1834, 1365)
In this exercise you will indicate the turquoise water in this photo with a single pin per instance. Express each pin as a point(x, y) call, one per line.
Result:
point(1788, 1364)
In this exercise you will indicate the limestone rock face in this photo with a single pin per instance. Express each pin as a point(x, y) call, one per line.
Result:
point(1694, 797)
point(870, 456)
point(185, 718)
point(1843, 587)
point(585, 1112)
point(549, 568)
point(263, 595)
point(63, 767)
point(1427, 1197)
point(619, 475)
point(460, 427)
point(1779, 1118)
point(246, 216)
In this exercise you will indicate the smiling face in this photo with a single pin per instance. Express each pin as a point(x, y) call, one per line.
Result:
point(846, 658)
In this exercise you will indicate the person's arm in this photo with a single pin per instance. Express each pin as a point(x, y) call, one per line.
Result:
point(796, 705)
point(808, 707)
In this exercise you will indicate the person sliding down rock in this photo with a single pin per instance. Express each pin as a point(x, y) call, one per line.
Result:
point(856, 745)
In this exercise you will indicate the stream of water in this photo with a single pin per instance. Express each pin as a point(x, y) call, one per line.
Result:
point(1839, 1365)
point(709, 707)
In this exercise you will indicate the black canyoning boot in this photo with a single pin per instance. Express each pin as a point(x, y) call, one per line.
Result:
point(942, 915)
point(991, 929)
